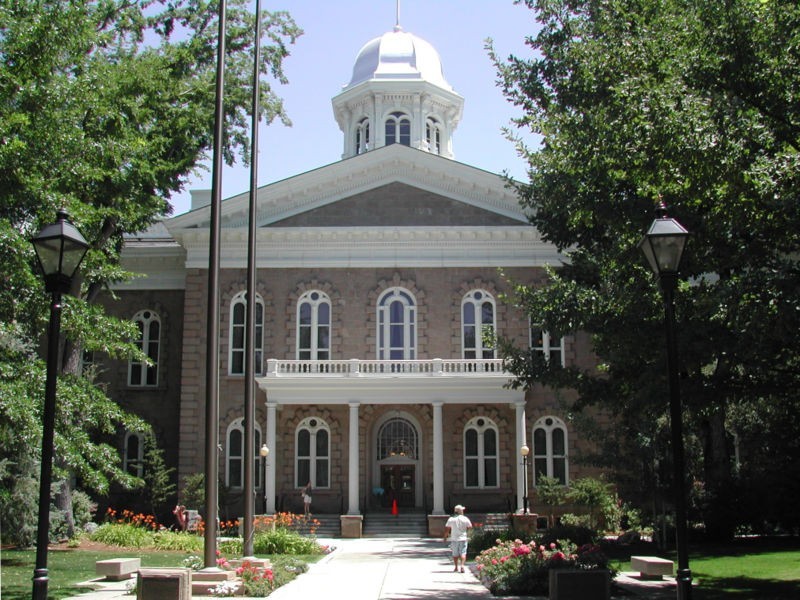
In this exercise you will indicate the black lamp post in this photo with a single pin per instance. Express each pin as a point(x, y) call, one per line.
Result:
point(264, 452)
point(663, 246)
point(60, 248)
point(524, 451)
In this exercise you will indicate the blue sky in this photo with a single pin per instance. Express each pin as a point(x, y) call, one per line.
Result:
point(321, 62)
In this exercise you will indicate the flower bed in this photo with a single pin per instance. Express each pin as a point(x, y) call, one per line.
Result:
point(519, 568)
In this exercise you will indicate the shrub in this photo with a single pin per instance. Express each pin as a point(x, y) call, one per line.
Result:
point(599, 498)
point(123, 534)
point(518, 568)
point(481, 539)
point(83, 509)
point(284, 541)
point(177, 540)
point(568, 529)
point(257, 582)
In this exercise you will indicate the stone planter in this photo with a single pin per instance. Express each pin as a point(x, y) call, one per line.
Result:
point(569, 584)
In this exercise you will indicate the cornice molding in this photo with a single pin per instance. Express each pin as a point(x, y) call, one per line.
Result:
point(376, 247)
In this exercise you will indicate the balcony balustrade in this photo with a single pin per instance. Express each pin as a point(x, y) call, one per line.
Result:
point(355, 367)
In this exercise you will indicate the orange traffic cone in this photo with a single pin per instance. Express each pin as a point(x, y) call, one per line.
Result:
point(394, 507)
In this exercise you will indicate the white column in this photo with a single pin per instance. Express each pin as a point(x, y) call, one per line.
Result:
point(521, 437)
point(269, 490)
point(438, 460)
point(353, 472)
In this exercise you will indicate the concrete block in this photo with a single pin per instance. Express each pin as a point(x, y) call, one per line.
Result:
point(117, 569)
point(165, 584)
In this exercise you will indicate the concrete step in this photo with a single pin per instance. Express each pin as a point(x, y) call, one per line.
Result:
point(404, 524)
point(321, 526)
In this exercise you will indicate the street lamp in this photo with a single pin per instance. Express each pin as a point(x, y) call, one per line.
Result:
point(663, 247)
point(60, 248)
point(264, 452)
point(524, 451)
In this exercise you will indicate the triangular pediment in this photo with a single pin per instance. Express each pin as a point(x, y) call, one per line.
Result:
point(391, 186)
point(399, 205)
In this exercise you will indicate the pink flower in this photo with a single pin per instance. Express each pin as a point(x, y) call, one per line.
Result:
point(522, 550)
point(552, 546)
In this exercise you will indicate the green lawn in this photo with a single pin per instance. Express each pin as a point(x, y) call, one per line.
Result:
point(745, 569)
point(748, 569)
point(68, 567)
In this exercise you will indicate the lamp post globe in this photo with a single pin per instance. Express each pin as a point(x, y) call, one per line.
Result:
point(60, 249)
point(663, 246)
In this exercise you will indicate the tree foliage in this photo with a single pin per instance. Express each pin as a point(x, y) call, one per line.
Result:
point(106, 108)
point(696, 103)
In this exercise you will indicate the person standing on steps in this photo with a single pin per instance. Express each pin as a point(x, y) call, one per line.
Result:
point(306, 494)
point(455, 530)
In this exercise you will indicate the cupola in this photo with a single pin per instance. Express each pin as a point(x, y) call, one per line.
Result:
point(398, 95)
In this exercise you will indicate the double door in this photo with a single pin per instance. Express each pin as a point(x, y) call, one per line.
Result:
point(398, 484)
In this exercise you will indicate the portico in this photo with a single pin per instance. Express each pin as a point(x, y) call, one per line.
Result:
point(358, 383)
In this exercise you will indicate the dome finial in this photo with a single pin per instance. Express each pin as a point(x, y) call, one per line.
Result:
point(397, 26)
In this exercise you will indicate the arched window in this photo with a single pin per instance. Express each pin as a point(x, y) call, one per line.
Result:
point(312, 459)
point(550, 450)
point(141, 374)
point(362, 136)
point(237, 338)
point(481, 466)
point(397, 335)
point(314, 326)
point(550, 346)
point(478, 325)
point(133, 454)
point(433, 136)
point(398, 129)
point(234, 473)
point(398, 438)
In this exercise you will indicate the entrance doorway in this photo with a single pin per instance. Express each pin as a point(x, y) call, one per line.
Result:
point(398, 484)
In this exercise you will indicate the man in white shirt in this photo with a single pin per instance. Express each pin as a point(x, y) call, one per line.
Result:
point(456, 530)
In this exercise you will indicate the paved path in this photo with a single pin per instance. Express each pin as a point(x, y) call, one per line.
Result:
point(390, 569)
point(385, 569)
point(367, 569)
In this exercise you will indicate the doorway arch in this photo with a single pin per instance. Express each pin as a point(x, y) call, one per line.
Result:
point(397, 448)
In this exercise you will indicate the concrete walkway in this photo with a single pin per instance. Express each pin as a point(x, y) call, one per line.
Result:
point(364, 569)
point(388, 569)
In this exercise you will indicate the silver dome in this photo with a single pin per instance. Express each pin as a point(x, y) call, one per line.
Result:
point(398, 55)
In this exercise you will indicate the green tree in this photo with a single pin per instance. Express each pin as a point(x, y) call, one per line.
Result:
point(695, 103)
point(106, 108)
point(157, 476)
point(550, 492)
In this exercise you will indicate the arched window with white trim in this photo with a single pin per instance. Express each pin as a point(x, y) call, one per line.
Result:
point(397, 438)
point(140, 373)
point(237, 338)
point(234, 453)
point(133, 454)
point(313, 452)
point(550, 450)
point(481, 464)
point(478, 324)
point(398, 129)
point(433, 135)
point(314, 326)
point(397, 325)
point(362, 136)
